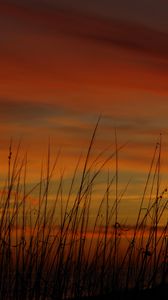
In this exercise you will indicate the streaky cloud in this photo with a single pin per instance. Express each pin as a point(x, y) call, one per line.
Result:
point(124, 34)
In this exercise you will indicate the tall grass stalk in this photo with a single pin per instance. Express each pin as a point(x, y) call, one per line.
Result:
point(59, 250)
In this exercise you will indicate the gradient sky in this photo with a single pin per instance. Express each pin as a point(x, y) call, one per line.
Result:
point(62, 63)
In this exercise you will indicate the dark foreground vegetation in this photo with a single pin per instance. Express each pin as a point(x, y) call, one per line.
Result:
point(159, 292)
point(59, 250)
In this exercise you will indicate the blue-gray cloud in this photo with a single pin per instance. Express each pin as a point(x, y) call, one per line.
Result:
point(18, 111)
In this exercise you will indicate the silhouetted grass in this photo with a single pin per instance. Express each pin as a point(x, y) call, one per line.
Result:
point(49, 251)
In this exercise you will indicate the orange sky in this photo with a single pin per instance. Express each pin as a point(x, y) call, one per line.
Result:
point(62, 65)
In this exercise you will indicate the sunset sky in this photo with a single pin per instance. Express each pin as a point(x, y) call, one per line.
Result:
point(63, 63)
